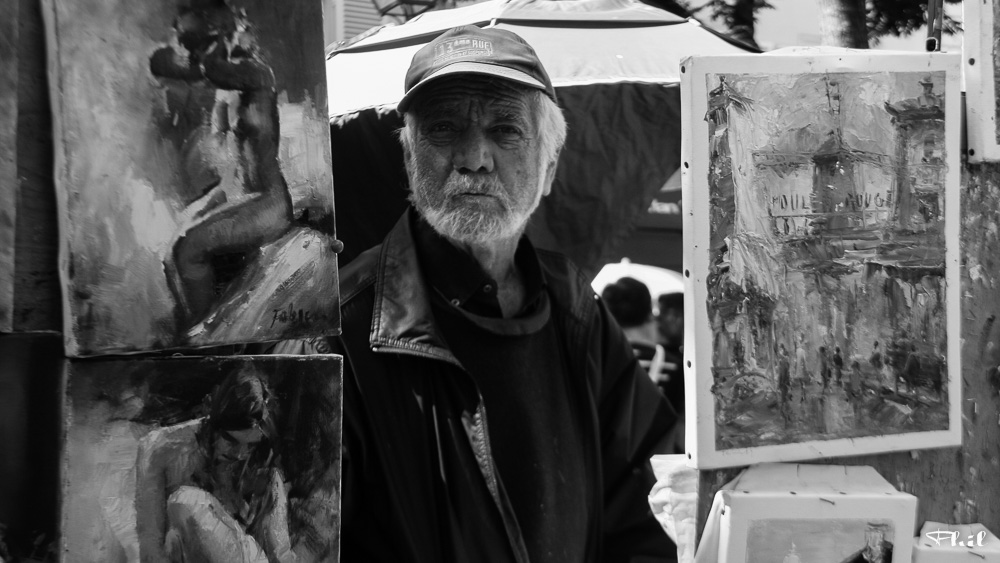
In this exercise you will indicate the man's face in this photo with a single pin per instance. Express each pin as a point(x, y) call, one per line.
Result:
point(476, 169)
point(670, 323)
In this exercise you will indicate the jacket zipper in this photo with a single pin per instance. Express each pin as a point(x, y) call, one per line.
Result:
point(482, 452)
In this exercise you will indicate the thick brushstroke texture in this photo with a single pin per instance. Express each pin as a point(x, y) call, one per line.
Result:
point(827, 224)
point(995, 61)
point(815, 540)
point(141, 430)
point(149, 210)
point(8, 157)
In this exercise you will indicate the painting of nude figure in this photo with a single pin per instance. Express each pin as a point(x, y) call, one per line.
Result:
point(212, 459)
point(193, 173)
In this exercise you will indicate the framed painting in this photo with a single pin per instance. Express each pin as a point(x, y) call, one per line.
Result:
point(8, 158)
point(193, 173)
point(982, 68)
point(202, 459)
point(822, 268)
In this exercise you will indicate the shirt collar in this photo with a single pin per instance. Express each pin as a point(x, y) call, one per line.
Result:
point(460, 280)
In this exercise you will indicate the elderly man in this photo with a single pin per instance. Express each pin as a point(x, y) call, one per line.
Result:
point(493, 411)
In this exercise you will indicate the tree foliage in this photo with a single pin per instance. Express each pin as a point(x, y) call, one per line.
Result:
point(882, 17)
point(902, 17)
point(739, 16)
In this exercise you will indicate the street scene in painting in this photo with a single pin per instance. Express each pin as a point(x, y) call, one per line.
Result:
point(204, 215)
point(202, 459)
point(819, 541)
point(826, 291)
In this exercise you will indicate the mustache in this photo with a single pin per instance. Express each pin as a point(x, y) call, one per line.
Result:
point(490, 185)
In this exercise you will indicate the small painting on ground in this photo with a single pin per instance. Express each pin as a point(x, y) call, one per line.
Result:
point(828, 310)
point(202, 459)
point(819, 541)
point(193, 173)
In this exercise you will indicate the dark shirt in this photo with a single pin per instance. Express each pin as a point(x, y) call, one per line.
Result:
point(519, 365)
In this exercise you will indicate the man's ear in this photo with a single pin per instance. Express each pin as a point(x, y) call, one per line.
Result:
point(406, 157)
point(550, 175)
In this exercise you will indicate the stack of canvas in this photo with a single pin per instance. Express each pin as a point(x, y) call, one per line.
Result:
point(815, 513)
point(195, 199)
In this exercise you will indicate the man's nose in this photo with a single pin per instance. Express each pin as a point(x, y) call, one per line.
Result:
point(473, 152)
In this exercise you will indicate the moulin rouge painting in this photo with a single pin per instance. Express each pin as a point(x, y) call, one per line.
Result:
point(193, 172)
point(825, 286)
point(202, 459)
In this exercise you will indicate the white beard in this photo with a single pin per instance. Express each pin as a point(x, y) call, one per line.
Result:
point(464, 219)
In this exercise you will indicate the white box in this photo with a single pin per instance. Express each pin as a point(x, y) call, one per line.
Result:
point(815, 513)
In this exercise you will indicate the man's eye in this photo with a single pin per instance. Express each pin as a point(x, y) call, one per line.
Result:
point(507, 130)
point(441, 127)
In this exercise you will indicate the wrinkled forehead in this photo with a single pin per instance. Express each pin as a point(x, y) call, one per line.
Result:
point(462, 93)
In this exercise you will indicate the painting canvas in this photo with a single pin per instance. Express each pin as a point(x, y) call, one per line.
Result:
point(823, 257)
point(193, 173)
point(202, 459)
point(982, 69)
point(841, 540)
point(8, 157)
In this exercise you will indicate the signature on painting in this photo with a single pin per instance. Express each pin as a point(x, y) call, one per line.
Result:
point(951, 537)
point(292, 315)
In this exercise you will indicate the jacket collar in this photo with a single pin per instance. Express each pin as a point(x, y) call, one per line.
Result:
point(402, 319)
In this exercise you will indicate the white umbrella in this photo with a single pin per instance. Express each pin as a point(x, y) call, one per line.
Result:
point(657, 280)
point(578, 41)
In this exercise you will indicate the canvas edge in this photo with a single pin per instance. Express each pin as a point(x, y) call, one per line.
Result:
point(952, 234)
point(7, 278)
point(701, 423)
point(50, 18)
point(979, 81)
point(775, 506)
point(692, 261)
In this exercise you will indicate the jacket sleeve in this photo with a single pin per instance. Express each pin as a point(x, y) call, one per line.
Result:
point(636, 422)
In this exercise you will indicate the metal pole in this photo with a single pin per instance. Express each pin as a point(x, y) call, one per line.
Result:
point(935, 23)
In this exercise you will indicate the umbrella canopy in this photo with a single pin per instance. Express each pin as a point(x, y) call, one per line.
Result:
point(657, 280)
point(615, 66)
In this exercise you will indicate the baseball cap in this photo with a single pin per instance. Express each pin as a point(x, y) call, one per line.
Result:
point(472, 50)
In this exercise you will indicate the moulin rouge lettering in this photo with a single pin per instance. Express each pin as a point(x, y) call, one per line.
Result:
point(291, 315)
point(857, 202)
point(852, 202)
point(793, 202)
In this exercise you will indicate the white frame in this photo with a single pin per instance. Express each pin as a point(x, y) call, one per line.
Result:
point(980, 80)
point(700, 423)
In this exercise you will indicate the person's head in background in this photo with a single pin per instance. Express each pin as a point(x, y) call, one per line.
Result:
point(631, 305)
point(670, 320)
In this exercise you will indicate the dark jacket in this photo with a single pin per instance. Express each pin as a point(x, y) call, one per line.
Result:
point(419, 480)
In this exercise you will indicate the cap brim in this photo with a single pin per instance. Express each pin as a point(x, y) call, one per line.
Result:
point(467, 67)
